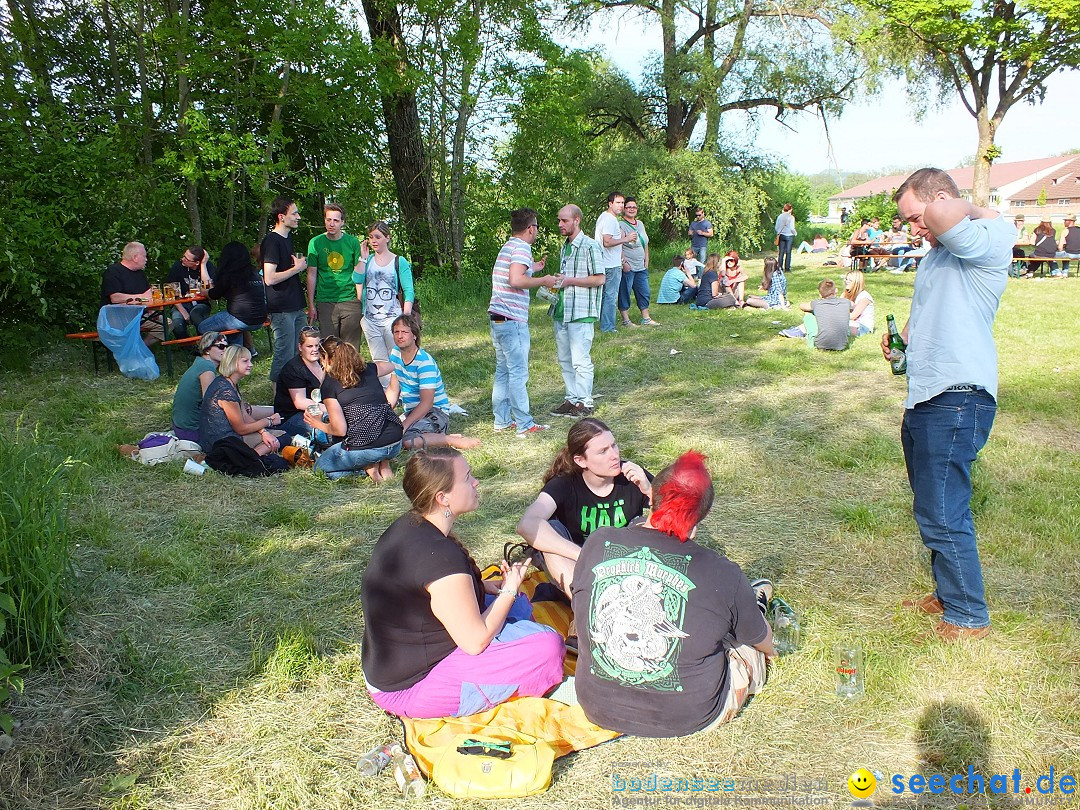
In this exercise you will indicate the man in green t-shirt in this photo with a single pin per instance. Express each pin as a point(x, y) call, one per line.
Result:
point(332, 258)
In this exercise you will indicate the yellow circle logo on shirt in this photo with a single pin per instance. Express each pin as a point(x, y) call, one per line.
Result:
point(335, 261)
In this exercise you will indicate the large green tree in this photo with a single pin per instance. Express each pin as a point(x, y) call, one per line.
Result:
point(993, 54)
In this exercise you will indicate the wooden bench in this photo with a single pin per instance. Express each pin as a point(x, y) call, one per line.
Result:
point(95, 342)
point(863, 262)
point(1018, 271)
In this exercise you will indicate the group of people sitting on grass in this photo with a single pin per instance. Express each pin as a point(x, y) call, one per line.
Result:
point(672, 637)
point(831, 322)
point(721, 283)
point(327, 393)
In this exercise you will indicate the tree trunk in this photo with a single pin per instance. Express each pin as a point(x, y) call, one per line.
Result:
point(984, 157)
point(712, 106)
point(144, 95)
point(23, 27)
point(114, 63)
point(673, 108)
point(420, 209)
point(268, 155)
point(466, 106)
point(181, 123)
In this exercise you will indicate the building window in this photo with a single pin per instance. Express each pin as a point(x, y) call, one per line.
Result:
point(995, 199)
point(1064, 202)
point(1018, 203)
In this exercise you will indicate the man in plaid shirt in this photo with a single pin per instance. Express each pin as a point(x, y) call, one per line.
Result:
point(575, 314)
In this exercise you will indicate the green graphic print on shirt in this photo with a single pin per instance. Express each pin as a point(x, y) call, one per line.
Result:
point(638, 605)
point(603, 514)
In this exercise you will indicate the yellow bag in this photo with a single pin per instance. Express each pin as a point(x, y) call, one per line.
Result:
point(505, 764)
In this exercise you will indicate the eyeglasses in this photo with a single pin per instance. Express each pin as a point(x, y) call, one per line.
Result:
point(487, 748)
point(516, 553)
point(223, 345)
point(310, 331)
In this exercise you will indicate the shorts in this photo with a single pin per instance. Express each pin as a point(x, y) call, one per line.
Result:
point(435, 421)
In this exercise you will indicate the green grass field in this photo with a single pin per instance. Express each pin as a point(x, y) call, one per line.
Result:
point(213, 657)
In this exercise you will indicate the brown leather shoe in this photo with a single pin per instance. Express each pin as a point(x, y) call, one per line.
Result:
point(929, 604)
point(949, 633)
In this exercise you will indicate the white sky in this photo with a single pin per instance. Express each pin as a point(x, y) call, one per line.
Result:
point(875, 135)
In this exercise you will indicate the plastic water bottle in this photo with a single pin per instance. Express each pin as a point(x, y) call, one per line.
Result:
point(375, 760)
point(785, 627)
point(849, 675)
point(406, 774)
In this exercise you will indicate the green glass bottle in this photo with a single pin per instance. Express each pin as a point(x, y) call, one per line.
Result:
point(897, 348)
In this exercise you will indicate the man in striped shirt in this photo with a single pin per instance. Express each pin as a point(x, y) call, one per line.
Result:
point(576, 313)
point(511, 280)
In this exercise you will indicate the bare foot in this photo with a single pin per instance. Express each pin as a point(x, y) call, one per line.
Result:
point(373, 473)
point(462, 442)
point(386, 471)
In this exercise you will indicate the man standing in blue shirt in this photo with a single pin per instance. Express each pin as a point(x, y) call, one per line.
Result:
point(699, 231)
point(952, 386)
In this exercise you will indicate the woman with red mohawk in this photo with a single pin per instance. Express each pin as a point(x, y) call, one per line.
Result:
point(672, 637)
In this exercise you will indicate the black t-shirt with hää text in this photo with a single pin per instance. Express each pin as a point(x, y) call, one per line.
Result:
point(294, 374)
point(403, 640)
point(287, 295)
point(121, 279)
point(652, 617)
point(582, 511)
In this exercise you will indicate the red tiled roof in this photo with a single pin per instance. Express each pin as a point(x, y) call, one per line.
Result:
point(1000, 174)
point(1063, 183)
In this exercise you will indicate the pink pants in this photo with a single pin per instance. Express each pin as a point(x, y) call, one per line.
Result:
point(529, 663)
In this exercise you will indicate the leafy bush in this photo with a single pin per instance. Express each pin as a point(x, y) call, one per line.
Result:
point(35, 547)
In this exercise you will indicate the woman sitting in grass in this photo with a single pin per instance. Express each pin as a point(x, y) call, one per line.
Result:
point(774, 285)
point(224, 414)
point(357, 410)
point(187, 401)
point(587, 486)
point(419, 383)
point(710, 293)
point(440, 641)
point(861, 320)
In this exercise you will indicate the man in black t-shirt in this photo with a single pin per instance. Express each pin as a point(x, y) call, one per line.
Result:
point(281, 274)
point(672, 636)
point(195, 264)
point(125, 283)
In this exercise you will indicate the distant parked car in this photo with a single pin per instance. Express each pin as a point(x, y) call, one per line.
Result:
point(817, 220)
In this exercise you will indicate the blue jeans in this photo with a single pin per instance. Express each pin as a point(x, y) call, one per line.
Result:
point(784, 248)
point(611, 294)
point(509, 395)
point(574, 344)
point(221, 321)
point(941, 438)
point(196, 314)
point(286, 327)
point(337, 462)
point(294, 426)
point(638, 281)
point(702, 253)
point(1065, 264)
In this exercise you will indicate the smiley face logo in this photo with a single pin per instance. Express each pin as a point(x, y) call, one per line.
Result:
point(861, 783)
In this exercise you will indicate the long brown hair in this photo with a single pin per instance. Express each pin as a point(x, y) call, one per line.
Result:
point(342, 361)
point(429, 472)
point(581, 433)
point(767, 273)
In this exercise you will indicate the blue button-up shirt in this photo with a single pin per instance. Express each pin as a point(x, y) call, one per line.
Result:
point(957, 291)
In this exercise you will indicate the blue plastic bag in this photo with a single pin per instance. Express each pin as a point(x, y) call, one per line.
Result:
point(118, 327)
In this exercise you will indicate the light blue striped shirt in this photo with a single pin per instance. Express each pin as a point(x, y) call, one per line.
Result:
point(957, 291)
point(422, 372)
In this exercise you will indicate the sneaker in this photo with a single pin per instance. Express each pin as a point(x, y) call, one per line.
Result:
point(500, 429)
point(950, 633)
point(929, 604)
point(566, 409)
point(581, 409)
point(521, 434)
point(793, 332)
point(763, 589)
point(650, 322)
point(254, 355)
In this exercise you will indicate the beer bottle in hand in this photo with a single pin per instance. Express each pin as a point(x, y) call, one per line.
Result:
point(897, 348)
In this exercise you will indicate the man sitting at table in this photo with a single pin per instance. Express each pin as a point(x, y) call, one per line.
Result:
point(196, 265)
point(125, 283)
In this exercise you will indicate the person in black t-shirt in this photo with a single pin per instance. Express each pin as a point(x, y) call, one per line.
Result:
point(241, 285)
point(357, 410)
point(298, 380)
point(281, 274)
point(438, 640)
point(195, 263)
point(125, 283)
point(672, 637)
point(588, 486)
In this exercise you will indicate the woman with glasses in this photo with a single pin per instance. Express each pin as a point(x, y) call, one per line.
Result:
point(223, 413)
point(299, 378)
point(377, 285)
point(240, 284)
point(439, 640)
point(187, 401)
point(357, 411)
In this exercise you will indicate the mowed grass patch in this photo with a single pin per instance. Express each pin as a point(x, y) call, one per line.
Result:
point(213, 657)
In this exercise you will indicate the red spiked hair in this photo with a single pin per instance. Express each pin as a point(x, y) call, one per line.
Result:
point(682, 496)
